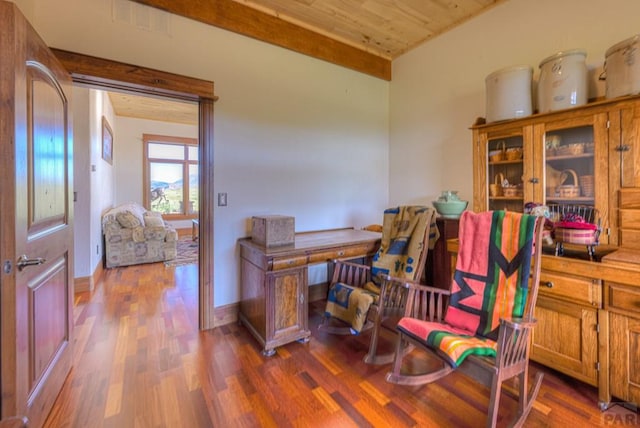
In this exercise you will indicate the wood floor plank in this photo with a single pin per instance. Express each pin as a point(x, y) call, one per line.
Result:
point(140, 361)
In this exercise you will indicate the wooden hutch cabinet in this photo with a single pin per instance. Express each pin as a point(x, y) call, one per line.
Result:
point(588, 313)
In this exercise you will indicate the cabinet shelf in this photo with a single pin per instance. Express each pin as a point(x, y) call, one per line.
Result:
point(579, 199)
point(506, 198)
point(506, 162)
point(569, 157)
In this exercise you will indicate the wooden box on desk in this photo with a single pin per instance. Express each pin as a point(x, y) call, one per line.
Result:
point(273, 230)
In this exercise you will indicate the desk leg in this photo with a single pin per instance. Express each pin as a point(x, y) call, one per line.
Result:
point(268, 352)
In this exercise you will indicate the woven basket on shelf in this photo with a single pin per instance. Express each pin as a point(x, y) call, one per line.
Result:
point(495, 188)
point(586, 183)
point(568, 190)
point(512, 191)
point(498, 154)
point(513, 153)
point(570, 149)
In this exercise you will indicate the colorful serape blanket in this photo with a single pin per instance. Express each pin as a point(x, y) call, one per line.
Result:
point(402, 244)
point(490, 282)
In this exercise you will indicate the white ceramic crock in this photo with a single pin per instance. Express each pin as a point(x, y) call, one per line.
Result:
point(508, 93)
point(563, 81)
point(622, 68)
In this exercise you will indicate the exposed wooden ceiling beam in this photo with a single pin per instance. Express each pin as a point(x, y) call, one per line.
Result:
point(241, 19)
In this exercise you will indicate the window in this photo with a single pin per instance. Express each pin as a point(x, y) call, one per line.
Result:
point(171, 175)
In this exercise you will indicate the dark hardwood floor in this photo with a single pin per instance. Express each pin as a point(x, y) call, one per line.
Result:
point(140, 361)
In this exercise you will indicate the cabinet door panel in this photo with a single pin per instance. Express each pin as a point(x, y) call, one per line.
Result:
point(627, 147)
point(565, 338)
point(624, 362)
point(288, 300)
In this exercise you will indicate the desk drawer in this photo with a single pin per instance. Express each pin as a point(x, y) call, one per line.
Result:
point(575, 289)
point(623, 298)
point(288, 262)
point(343, 253)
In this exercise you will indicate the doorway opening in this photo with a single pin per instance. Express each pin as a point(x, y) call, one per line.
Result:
point(110, 75)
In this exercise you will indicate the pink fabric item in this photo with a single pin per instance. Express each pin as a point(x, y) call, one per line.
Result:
point(576, 225)
point(470, 244)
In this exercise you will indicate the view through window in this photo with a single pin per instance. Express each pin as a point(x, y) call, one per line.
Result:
point(171, 175)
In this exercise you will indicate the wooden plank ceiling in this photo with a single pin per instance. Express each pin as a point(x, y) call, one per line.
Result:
point(151, 108)
point(364, 35)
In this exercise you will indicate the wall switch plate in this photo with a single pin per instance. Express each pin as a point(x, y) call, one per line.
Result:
point(222, 199)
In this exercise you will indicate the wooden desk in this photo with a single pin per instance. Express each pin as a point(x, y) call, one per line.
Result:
point(274, 289)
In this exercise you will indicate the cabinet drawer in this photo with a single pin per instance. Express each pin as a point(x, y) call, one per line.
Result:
point(343, 253)
point(288, 262)
point(623, 298)
point(575, 289)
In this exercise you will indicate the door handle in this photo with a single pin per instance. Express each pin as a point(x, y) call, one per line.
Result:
point(25, 261)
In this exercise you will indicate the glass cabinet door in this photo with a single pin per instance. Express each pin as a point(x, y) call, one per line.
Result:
point(576, 167)
point(505, 173)
point(569, 166)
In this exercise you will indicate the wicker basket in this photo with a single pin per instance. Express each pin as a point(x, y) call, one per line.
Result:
point(495, 188)
point(570, 149)
point(512, 191)
point(568, 190)
point(499, 154)
point(513, 153)
point(586, 183)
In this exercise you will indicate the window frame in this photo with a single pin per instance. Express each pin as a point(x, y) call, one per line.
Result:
point(186, 162)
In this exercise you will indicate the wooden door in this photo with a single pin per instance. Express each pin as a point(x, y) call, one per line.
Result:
point(36, 230)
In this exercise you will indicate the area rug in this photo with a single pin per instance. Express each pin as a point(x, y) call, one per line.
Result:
point(187, 252)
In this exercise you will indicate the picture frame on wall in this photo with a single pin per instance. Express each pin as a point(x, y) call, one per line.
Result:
point(107, 141)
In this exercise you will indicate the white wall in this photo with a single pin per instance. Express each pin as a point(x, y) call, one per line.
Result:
point(82, 182)
point(438, 89)
point(93, 177)
point(293, 135)
point(102, 178)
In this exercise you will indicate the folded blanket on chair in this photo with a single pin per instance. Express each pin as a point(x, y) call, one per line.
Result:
point(399, 254)
point(402, 241)
point(490, 282)
point(350, 304)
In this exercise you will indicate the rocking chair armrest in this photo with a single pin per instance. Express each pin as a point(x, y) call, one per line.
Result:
point(350, 264)
point(355, 274)
point(424, 287)
point(393, 281)
point(518, 323)
point(388, 281)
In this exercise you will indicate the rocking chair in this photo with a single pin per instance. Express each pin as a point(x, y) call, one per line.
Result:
point(486, 330)
point(363, 297)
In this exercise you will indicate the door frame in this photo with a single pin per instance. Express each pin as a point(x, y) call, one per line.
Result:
point(111, 75)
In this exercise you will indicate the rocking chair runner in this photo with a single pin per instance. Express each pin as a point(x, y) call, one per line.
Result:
point(486, 330)
point(363, 297)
